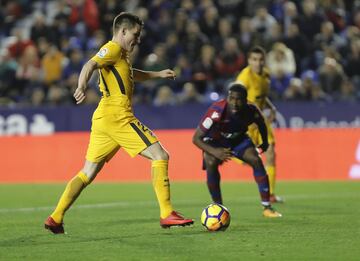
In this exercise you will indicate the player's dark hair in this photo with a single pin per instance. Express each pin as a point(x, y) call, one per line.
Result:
point(238, 87)
point(127, 20)
point(257, 49)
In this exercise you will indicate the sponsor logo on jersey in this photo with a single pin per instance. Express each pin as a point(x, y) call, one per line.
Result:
point(215, 115)
point(207, 123)
point(102, 52)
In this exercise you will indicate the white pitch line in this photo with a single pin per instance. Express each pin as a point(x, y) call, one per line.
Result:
point(153, 203)
point(99, 205)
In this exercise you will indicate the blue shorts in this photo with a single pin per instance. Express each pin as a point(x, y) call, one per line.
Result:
point(238, 150)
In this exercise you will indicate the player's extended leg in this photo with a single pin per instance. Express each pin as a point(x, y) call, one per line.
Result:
point(213, 177)
point(271, 171)
point(160, 179)
point(70, 194)
point(251, 157)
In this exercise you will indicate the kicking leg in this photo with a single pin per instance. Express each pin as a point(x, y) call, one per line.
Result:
point(160, 179)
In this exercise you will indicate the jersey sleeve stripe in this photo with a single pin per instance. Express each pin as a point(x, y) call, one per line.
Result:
point(118, 78)
point(104, 82)
point(139, 132)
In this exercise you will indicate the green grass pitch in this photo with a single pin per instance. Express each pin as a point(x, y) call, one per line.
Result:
point(321, 221)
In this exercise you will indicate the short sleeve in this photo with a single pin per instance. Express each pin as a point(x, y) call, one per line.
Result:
point(107, 55)
point(211, 116)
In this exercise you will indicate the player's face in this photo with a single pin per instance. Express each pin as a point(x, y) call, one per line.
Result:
point(235, 102)
point(130, 38)
point(256, 62)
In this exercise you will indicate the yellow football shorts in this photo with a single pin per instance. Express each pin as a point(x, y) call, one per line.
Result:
point(255, 136)
point(110, 133)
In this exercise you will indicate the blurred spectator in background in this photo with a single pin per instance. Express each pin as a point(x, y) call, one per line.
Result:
point(28, 73)
point(191, 36)
point(331, 76)
point(327, 38)
point(8, 69)
point(164, 96)
point(222, 34)
point(193, 40)
point(94, 42)
point(183, 70)
point(18, 43)
point(189, 94)
point(57, 95)
point(74, 64)
point(334, 11)
point(154, 61)
point(37, 97)
point(52, 65)
point(84, 15)
point(281, 63)
point(311, 19)
point(40, 30)
point(298, 43)
point(290, 16)
point(352, 64)
point(311, 86)
point(246, 36)
point(204, 69)
point(275, 35)
point(180, 23)
point(263, 21)
point(107, 10)
point(295, 90)
point(173, 48)
point(230, 60)
point(209, 21)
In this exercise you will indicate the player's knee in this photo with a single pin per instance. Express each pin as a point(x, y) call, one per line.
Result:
point(211, 163)
point(256, 162)
point(165, 155)
point(161, 155)
point(270, 159)
point(91, 169)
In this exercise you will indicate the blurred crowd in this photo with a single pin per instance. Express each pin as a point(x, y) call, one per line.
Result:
point(313, 47)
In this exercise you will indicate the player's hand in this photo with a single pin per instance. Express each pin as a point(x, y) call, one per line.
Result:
point(169, 74)
point(263, 147)
point(79, 95)
point(223, 154)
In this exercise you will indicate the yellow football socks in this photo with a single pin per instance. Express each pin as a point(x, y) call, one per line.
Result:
point(72, 191)
point(271, 171)
point(160, 180)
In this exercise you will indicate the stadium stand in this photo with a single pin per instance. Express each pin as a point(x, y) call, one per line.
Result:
point(45, 43)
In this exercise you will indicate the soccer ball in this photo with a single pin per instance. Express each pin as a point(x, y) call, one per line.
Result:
point(215, 217)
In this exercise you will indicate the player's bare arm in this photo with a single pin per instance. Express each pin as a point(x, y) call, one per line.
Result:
point(85, 75)
point(260, 122)
point(140, 76)
point(223, 154)
point(272, 108)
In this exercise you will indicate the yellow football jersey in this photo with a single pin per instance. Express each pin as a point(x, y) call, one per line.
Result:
point(115, 81)
point(258, 86)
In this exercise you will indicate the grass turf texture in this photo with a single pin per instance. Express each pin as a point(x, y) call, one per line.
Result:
point(120, 222)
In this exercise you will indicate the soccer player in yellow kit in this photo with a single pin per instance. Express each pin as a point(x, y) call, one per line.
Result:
point(114, 125)
point(255, 77)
